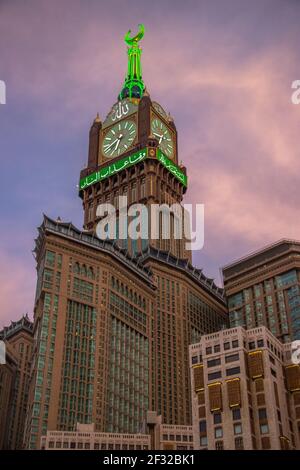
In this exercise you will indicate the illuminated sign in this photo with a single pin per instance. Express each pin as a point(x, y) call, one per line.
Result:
point(126, 162)
point(113, 168)
point(172, 167)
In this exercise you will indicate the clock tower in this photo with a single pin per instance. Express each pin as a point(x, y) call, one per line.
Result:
point(133, 152)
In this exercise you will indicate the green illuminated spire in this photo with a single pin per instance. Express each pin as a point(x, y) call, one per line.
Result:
point(134, 85)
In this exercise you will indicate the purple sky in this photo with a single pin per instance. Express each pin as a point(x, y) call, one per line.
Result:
point(223, 68)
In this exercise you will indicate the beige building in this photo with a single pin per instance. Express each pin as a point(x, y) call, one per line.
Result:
point(85, 438)
point(263, 288)
point(159, 437)
point(168, 436)
point(245, 391)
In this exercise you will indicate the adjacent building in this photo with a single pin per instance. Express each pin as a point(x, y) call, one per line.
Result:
point(264, 289)
point(168, 436)
point(245, 391)
point(8, 372)
point(14, 382)
point(158, 436)
point(85, 438)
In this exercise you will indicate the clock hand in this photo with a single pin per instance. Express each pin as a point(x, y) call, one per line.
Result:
point(160, 136)
point(117, 145)
point(119, 140)
point(110, 145)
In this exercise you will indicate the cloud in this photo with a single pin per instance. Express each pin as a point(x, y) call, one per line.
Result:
point(225, 76)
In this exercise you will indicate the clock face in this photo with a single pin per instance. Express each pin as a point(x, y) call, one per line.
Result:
point(119, 138)
point(162, 133)
point(159, 109)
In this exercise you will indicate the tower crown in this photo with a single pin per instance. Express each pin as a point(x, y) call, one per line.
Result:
point(133, 86)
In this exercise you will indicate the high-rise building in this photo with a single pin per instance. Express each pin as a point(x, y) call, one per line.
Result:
point(14, 375)
point(264, 289)
point(113, 319)
point(245, 391)
point(8, 372)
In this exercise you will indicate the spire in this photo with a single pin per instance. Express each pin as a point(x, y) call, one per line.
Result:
point(97, 118)
point(133, 86)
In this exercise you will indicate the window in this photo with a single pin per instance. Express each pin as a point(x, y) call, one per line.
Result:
point(264, 429)
point(237, 428)
point(214, 362)
point(262, 413)
point(260, 343)
point(203, 441)
point(236, 414)
point(235, 343)
point(252, 345)
point(219, 445)
point(217, 348)
point(273, 372)
point(233, 371)
point(209, 350)
point(226, 346)
point(238, 443)
point(217, 418)
point(218, 432)
point(272, 359)
point(165, 437)
point(232, 358)
point(194, 359)
point(214, 375)
point(202, 426)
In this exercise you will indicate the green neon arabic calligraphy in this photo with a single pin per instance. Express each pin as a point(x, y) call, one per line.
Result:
point(129, 161)
point(112, 169)
point(174, 169)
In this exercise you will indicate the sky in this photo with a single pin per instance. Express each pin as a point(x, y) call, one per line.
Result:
point(222, 68)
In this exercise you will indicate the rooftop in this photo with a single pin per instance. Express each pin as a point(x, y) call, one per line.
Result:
point(15, 326)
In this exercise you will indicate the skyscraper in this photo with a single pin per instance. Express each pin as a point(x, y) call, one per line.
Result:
point(263, 288)
point(113, 318)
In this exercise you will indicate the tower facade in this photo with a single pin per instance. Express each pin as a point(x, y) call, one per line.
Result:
point(134, 153)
